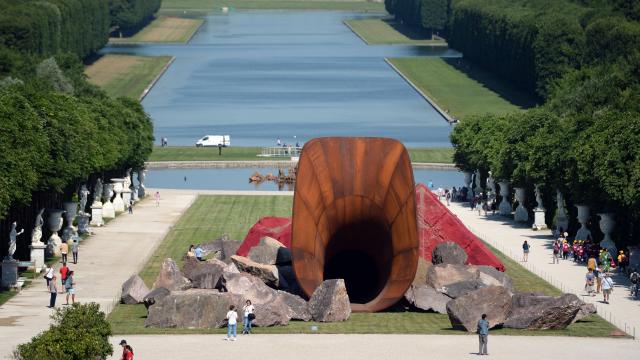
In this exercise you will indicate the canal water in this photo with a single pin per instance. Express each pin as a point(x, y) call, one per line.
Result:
point(238, 179)
point(263, 75)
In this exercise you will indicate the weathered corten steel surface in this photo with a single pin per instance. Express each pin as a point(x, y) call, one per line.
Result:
point(354, 217)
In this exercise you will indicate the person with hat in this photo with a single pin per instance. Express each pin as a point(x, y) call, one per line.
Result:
point(127, 351)
point(622, 262)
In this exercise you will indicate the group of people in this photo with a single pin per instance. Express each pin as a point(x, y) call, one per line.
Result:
point(196, 252)
point(64, 250)
point(67, 282)
point(248, 311)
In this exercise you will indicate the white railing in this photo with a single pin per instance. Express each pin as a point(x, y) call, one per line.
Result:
point(281, 151)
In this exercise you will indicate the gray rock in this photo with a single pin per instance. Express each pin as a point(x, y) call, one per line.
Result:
point(442, 275)
point(171, 277)
point(330, 302)
point(449, 253)
point(133, 290)
point(203, 274)
point(223, 248)
point(249, 287)
point(229, 249)
point(271, 252)
point(298, 307)
point(272, 313)
point(461, 288)
point(540, 312)
point(155, 295)
point(267, 273)
point(193, 308)
point(465, 311)
point(490, 276)
point(585, 310)
point(425, 297)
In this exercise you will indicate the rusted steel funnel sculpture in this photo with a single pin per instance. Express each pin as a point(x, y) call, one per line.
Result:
point(354, 218)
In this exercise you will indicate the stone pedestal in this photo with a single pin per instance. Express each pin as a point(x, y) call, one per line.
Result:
point(521, 214)
point(539, 221)
point(126, 198)
point(118, 203)
point(134, 194)
point(83, 223)
point(9, 273)
point(37, 255)
point(96, 214)
point(505, 206)
point(108, 211)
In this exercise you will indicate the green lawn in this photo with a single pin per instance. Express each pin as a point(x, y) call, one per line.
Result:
point(125, 75)
point(461, 88)
point(384, 31)
point(192, 153)
point(210, 216)
point(164, 29)
point(184, 7)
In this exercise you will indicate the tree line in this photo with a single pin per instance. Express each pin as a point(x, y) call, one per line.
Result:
point(81, 27)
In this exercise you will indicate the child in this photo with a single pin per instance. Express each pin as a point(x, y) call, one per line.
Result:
point(232, 321)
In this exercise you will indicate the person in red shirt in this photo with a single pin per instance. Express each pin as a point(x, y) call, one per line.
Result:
point(127, 351)
point(64, 270)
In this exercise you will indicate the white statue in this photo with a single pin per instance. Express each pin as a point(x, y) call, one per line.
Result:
point(97, 192)
point(491, 184)
point(127, 180)
point(36, 235)
point(83, 198)
point(478, 188)
point(12, 240)
point(539, 205)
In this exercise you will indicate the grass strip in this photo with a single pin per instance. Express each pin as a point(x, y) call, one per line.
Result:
point(164, 29)
point(388, 32)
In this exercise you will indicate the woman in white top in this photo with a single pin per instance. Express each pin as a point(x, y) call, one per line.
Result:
point(49, 272)
point(248, 310)
point(232, 321)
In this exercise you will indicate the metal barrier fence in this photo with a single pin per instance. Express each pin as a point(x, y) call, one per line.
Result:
point(280, 151)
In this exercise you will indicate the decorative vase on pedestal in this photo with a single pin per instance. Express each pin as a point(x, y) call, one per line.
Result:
point(83, 223)
point(562, 222)
point(607, 224)
point(141, 189)
point(118, 204)
point(583, 216)
point(539, 222)
point(467, 183)
point(505, 206)
point(126, 197)
point(96, 214)
point(70, 213)
point(108, 212)
point(55, 224)
point(521, 214)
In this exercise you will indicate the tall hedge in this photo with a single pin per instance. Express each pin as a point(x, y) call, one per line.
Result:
point(129, 16)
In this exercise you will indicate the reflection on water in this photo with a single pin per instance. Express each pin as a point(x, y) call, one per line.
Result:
point(258, 76)
point(238, 179)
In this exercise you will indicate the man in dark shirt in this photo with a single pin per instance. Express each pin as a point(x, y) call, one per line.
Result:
point(483, 334)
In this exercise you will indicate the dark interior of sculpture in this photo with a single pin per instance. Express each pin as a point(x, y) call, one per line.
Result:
point(354, 218)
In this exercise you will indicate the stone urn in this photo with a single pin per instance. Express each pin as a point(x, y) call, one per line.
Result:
point(118, 187)
point(468, 183)
point(505, 206)
point(562, 221)
point(55, 224)
point(607, 224)
point(521, 214)
point(70, 213)
point(583, 217)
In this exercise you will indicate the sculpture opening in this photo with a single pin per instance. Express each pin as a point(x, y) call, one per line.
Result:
point(354, 218)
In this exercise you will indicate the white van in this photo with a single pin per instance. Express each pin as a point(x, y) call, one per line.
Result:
point(214, 140)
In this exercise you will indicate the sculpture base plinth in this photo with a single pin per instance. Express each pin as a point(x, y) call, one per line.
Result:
point(108, 211)
point(505, 208)
point(83, 224)
point(583, 233)
point(9, 273)
point(126, 198)
point(521, 214)
point(37, 256)
point(96, 215)
point(539, 221)
point(53, 245)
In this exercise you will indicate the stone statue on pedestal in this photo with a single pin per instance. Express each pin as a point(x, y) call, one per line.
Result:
point(83, 198)
point(36, 235)
point(97, 192)
point(127, 180)
point(12, 240)
point(539, 205)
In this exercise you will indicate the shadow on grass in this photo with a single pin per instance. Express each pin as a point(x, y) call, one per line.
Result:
point(411, 33)
point(506, 90)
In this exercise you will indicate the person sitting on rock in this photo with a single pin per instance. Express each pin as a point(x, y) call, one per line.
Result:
point(199, 253)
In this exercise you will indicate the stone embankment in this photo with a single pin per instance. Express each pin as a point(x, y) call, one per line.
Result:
point(213, 164)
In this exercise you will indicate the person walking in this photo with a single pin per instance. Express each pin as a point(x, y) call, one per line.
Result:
point(556, 252)
point(622, 262)
point(598, 274)
point(199, 252)
point(483, 335)
point(53, 291)
point(74, 250)
point(49, 274)
point(157, 197)
point(607, 287)
point(248, 310)
point(64, 271)
point(130, 207)
point(525, 251)
point(590, 279)
point(232, 321)
point(127, 351)
point(69, 285)
point(64, 250)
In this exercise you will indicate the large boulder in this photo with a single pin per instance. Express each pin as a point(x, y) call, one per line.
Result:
point(133, 290)
point(298, 307)
point(540, 312)
point(448, 253)
point(203, 274)
point(170, 277)
point(489, 276)
point(223, 248)
point(270, 309)
point(193, 308)
point(271, 252)
point(271, 314)
point(461, 288)
point(330, 302)
point(267, 273)
point(155, 295)
point(585, 310)
point(441, 275)
point(465, 311)
point(424, 297)
point(287, 280)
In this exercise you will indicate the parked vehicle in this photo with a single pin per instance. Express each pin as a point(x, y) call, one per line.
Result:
point(214, 140)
